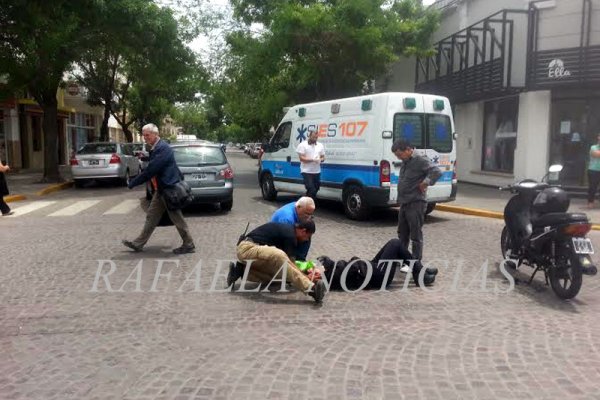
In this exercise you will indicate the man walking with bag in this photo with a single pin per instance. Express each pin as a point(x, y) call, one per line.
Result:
point(162, 165)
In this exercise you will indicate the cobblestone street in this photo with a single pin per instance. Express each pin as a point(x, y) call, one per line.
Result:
point(61, 339)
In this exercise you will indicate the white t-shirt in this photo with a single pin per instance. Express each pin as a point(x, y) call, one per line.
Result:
point(314, 152)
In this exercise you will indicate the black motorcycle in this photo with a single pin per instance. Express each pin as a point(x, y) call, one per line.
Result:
point(541, 234)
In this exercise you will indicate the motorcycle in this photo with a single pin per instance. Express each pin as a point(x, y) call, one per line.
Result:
point(540, 233)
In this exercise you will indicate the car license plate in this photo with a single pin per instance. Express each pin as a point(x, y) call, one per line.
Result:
point(583, 246)
point(200, 176)
point(93, 162)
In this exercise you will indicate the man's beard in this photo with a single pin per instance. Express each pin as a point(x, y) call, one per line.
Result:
point(312, 141)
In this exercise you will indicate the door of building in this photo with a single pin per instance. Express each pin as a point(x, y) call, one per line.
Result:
point(574, 127)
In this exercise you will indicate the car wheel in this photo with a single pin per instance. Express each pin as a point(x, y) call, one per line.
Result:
point(267, 187)
point(226, 205)
point(355, 204)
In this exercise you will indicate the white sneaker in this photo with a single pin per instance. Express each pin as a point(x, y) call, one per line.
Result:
point(405, 269)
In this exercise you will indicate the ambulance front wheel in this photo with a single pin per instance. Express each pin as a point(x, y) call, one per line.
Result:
point(355, 203)
point(267, 187)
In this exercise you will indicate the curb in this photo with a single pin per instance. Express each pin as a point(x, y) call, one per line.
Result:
point(14, 197)
point(55, 188)
point(477, 212)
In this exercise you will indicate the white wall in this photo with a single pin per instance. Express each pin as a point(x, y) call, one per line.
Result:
point(533, 144)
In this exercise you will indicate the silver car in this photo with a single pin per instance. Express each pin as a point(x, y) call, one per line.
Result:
point(104, 160)
point(205, 168)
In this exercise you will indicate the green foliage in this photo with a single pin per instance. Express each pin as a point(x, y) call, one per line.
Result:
point(39, 39)
point(314, 50)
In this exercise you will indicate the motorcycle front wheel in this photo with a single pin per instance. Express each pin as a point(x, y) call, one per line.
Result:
point(505, 245)
point(566, 276)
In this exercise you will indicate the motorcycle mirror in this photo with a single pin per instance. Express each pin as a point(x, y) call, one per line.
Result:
point(555, 168)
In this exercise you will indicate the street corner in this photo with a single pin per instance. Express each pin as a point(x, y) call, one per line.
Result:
point(14, 197)
point(55, 188)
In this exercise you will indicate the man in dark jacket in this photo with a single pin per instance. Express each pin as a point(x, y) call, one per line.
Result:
point(161, 165)
point(416, 174)
point(270, 247)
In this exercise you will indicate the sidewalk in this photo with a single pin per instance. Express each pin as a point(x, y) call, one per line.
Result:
point(489, 202)
point(26, 185)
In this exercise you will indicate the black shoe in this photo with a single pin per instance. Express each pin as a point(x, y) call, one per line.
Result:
point(428, 276)
point(318, 291)
point(8, 213)
point(185, 249)
point(235, 273)
point(132, 246)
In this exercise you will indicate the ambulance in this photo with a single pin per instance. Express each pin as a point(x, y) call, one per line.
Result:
point(360, 169)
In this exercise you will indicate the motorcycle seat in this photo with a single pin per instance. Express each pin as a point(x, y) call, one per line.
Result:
point(551, 219)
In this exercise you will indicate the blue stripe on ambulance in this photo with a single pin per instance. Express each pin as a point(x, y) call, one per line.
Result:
point(368, 175)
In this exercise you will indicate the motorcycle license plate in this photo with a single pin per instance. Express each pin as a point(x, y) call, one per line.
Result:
point(583, 246)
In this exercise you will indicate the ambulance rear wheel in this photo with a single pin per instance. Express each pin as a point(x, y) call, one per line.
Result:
point(430, 208)
point(355, 203)
point(267, 187)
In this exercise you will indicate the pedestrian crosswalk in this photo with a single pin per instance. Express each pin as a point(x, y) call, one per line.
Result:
point(71, 208)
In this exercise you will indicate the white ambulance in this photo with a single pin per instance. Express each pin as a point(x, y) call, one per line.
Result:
point(360, 169)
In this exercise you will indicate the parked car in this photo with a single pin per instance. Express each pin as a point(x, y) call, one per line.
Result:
point(206, 169)
point(104, 160)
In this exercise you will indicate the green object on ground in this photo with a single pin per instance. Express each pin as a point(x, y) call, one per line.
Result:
point(305, 265)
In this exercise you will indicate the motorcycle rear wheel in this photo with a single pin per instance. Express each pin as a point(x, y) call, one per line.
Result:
point(566, 278)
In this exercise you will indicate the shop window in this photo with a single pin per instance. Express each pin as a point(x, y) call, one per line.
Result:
point(36, 133)
point(500, 135)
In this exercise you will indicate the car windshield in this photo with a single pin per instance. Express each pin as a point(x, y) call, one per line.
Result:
point(138, 147)
point(98, 148)
point(198, 155)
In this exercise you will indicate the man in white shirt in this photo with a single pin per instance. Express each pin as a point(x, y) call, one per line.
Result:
point(311, 154)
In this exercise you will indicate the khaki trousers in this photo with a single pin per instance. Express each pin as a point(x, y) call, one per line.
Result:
point(267, 262)
point(155, 211)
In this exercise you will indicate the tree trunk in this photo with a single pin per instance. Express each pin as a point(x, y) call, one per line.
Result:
point(50, 126)
point(128, 134)
point(104, 134)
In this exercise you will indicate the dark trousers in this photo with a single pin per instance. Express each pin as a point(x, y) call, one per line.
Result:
point(4, 208)
point(392, 250)
point(312, 183)
point(593, 181)
point(411, 218)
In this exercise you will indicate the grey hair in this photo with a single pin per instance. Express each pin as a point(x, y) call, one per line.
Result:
point(305, 201)
point(150, 127)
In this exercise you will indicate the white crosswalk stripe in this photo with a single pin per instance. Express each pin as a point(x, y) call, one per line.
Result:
point(19, 211)
point(75, 208)
point(124, 208)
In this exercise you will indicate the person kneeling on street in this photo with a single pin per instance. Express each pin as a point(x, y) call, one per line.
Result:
point(391, 256)
point(269, 249)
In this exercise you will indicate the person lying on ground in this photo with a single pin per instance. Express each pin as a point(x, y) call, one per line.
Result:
point(391, 256)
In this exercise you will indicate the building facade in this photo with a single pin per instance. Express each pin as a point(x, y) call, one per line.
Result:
point(524, 81)
point(21, 132)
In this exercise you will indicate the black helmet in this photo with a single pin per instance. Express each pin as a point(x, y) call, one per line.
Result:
point(552, 199)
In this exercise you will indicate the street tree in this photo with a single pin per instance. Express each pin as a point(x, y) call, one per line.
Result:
point(39, 40)
point(313, 50)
